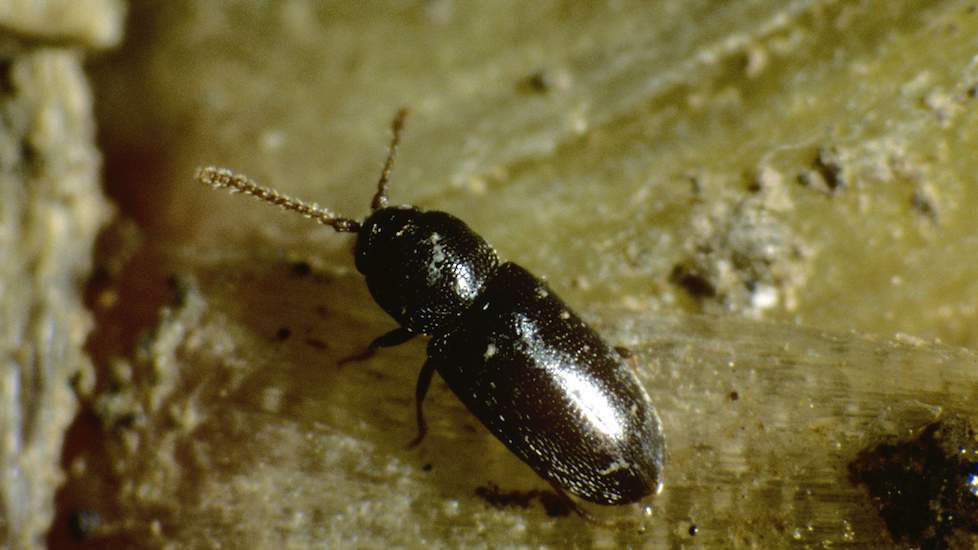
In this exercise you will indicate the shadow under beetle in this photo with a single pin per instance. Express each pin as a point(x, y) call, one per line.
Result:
point(524, 364)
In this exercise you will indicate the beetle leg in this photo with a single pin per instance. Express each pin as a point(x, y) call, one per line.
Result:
point(628, 355)
point(393, 338)
point(424, 381)
point(578, 509)
point(624, 352)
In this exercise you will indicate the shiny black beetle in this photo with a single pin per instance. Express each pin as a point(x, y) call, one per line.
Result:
point(524, 364)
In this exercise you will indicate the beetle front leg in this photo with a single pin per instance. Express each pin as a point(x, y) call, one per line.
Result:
point(390, 339)
point(424, 381)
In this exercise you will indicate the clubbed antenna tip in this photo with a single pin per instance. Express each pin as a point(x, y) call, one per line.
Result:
point(222, 178)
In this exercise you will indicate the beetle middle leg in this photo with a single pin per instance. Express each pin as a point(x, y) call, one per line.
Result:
point(577, 508)
point(424, 382)
point(629, 356)
point(390, 339)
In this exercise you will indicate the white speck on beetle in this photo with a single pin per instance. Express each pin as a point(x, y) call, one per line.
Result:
point(434, 266)
point(490, 351)
point(542, 292)
point(614, 467)
point(564, 314)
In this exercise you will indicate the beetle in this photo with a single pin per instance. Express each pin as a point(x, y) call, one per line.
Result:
point(536, 375)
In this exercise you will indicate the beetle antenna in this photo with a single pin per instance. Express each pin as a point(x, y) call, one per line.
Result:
point(222, 178)
point(380, 199)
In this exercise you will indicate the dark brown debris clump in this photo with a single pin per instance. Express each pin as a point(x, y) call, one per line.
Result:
point(925, 488)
